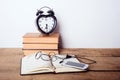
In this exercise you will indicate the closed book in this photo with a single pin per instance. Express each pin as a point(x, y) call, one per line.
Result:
point(32, 51)
point(39, 38)
point(40, 46)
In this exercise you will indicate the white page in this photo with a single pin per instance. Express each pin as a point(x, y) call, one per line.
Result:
point(30, 63)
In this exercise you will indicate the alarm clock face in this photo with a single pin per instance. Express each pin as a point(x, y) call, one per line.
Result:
point(46, 24)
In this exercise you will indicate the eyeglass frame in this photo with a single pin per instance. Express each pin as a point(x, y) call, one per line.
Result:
point(67, 56)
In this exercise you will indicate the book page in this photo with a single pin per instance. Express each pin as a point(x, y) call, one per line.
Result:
point(60, 68)
point(31, 65)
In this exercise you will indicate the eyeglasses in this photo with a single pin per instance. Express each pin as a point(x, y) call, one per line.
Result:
point(46, 57)
point(52, 57)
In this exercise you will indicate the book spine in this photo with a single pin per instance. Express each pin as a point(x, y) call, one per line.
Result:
point(28, 51)
point(40, 40)
point(40, 46)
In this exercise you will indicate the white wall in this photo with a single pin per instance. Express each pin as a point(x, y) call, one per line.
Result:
point(82, 23)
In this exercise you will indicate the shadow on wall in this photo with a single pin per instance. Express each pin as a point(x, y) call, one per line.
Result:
point(57, 30)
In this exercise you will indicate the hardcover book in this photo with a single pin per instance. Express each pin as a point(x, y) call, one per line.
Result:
point(39, 38)
point(32, 51)
point(40, 46)
point(34, 42)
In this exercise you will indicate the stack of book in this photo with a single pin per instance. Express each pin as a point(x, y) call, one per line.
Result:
point(35, 42)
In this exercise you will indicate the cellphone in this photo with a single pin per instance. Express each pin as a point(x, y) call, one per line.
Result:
point(75, 65)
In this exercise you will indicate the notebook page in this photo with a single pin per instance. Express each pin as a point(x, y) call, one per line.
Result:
point(31, 64)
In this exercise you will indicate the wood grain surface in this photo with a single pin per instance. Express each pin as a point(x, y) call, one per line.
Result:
point(107, 66)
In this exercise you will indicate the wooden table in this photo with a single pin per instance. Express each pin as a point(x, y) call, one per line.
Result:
point(106, 68)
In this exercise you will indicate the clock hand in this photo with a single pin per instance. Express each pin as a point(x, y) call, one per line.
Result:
point(46, 26)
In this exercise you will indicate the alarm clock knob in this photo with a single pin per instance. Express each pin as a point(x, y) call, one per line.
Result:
point(39, 12)
point(50, 12)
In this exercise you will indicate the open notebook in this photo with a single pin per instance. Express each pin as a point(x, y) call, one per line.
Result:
point(43, 63)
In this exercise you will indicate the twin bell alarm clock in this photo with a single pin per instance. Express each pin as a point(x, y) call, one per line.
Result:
point(46, 20)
